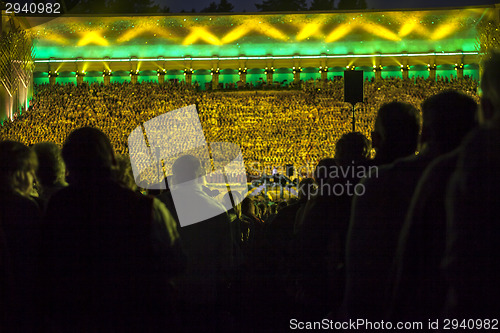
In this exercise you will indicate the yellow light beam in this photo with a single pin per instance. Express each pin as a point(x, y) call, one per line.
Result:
point(444, 30)
point(423, 31)
point(92, 37)
point(338, 33)
point(380, 31)
point(308, 30)
point(57, 38)
point(130, 34)
point(267, 29)
point(407, 28)
point(165, 33)
point(203, 34)
point(236, 34)
point(253, 25)
point(410, 22)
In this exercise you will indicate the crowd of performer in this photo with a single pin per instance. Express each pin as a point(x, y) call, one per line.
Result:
point(416, 238)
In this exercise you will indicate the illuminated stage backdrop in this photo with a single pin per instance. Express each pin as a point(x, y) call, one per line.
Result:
point(308, 40)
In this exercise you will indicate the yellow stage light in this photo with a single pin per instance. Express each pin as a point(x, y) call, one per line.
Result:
point(236, 34)
point(203, 34)
point(56, 38)
point(129, 34)
point(267, 29)
point(308, 30)
point(132, 33)
point(410, 23)
point(444, 30)
point(380, 31)
point(92, 37)
point(407, 28)
point(338, 33)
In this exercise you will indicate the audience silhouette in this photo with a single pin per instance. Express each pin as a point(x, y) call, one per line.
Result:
point(471, 262)
point(107, 253)
point(20, 222)
point(408, 235)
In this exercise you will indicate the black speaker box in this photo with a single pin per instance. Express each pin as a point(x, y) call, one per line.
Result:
point(353, 86)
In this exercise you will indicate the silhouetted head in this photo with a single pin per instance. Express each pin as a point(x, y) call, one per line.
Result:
point(51, 168)
point(490, 86)
point(306, 188)
point(325, 171)
point(351, 147)
point(186, 168)
point(247, 207)
point(447, 118)
point(89, 156)
point(396, 131)
point(18, 165)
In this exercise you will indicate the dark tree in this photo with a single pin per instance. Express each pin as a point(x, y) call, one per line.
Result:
point(224, 6)
point(352, 4)
point(212, 8)
point(110, 6)
point(322, 5)
point(133, 6)
point(281, 5)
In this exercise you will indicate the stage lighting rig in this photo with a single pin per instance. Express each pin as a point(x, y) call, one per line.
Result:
point(269, 70)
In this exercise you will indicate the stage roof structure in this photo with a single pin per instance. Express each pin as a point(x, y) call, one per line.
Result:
point(258, 40)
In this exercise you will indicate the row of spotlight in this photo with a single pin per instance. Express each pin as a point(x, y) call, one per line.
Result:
point(267, 70)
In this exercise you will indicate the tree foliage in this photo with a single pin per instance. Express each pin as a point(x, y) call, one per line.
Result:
point(212, 8)
point(112, 6)
point(224, 6)
point(281, 5)
point(301, 5)
point(351, 4)
point(322, 5)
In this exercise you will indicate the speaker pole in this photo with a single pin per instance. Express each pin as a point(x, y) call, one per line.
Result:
point(353, 119)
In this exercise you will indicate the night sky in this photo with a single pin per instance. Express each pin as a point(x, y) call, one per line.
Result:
point(249, 5)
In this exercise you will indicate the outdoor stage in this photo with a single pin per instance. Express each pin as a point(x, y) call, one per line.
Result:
point(310, 45)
